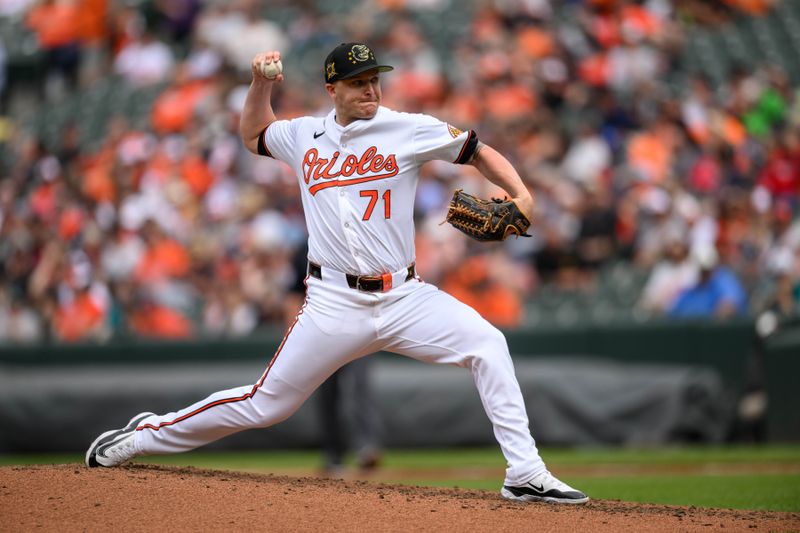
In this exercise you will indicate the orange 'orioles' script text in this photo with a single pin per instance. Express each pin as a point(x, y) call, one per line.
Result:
point(370, 166)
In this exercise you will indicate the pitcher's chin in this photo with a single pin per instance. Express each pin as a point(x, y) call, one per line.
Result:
point(369, 109)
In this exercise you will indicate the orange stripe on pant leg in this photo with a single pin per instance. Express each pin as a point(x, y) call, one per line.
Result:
point(240, 398)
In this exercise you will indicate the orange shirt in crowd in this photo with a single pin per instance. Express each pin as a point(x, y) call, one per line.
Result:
point(160, 321)
point(174, 108)
point(196, 174)
point(470, 284)
point(166, 258)
point(79, 319)
point(509, 101)
point(463, 108)
point(606, 31)
point(536, 43)
point(418, 89)
point(70, 223)
point(98, 184)
point(55, 24)
point(720, 125)
point(755, 7)
point(732, 130)
point(92, 23)
point(640, 20)
point(496, 304)
point(649, 154)
point(595, 70)
point(44, 200)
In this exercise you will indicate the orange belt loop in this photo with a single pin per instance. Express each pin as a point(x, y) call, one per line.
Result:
point(387, 281)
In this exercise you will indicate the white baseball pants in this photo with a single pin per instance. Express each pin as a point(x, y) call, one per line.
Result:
point(338, 324)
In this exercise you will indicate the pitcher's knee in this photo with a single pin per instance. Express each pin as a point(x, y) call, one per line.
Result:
point(272, 417)
point(492, 340)
point(271, 410)
point(489, 347)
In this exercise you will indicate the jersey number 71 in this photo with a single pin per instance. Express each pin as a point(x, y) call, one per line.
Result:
point(372, 194)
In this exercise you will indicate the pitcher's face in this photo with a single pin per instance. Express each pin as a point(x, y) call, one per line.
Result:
point(356, 98)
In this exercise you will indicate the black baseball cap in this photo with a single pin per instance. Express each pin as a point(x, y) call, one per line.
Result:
point(351, 59)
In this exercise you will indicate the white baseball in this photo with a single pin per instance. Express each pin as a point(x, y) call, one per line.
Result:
point(272, 69)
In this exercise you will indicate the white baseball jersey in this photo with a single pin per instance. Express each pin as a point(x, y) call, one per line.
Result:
point(358, 185)
point(358, 182)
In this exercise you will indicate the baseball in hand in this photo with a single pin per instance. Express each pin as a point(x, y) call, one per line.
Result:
point(272, 69)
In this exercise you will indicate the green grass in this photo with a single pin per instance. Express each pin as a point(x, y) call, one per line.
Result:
point(769, 492)
point(766, 492)
point(439, 458)
point(482, 468)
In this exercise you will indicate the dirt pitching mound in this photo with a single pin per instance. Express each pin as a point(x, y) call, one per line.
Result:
point(151, 498)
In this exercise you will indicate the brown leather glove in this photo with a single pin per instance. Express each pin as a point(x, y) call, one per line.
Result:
point(486, 220)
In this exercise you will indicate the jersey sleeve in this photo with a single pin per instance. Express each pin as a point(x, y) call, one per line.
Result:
point(434, 139)
point(278, 140)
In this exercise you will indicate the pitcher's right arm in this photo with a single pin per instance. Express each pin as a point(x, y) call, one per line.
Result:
point(257, 113)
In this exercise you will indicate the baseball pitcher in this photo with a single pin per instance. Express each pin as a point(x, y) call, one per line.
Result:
point(358, 169)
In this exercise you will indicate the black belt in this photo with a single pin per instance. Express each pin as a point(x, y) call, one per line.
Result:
point(380, 283)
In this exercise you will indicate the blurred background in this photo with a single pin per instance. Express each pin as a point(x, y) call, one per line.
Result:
point(147, 259)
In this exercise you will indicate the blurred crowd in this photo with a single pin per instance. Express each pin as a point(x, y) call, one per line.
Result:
point(173, 230)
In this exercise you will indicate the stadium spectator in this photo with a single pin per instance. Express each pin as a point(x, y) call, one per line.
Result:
point(671, 276)
point(19, 323)
point(241, 31)
point(716, 294)
point(81, 315)
point(150, 319)
point(479, 283)
point(595, 243)
point(785, 299)
point(144, 60)
point(57, 25)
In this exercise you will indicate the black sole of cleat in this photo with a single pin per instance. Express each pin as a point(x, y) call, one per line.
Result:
point(91, 460)
point(508, 495)
point(108, 437)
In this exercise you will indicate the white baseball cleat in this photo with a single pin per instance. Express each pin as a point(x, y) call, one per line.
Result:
point(114, 447)
point(544, 488)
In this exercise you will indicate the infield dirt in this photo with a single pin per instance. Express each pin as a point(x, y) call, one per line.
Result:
point(155, 498)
